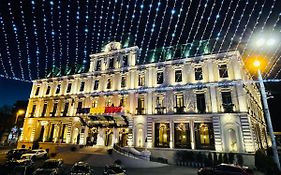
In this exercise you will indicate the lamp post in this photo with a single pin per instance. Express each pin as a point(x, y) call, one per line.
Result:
point(267, 114)
point(20, 112)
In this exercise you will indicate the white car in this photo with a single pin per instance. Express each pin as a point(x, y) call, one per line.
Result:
point(35, 154)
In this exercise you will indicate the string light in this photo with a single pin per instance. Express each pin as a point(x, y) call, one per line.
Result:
point(15, 29)
point(45, 38)
point(67, 33)
point(100, 17)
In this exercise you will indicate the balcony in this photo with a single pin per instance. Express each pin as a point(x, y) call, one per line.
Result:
point(179, 109)
point(160, 110)
point(228, 107)
point(140, 111)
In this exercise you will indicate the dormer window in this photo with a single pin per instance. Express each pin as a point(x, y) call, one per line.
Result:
point(123, 82)
point(68, 88)
point(198, 73)
point(37, 90)
point(82, 86)
point(141, 80)
point(96, 85)
point(58, 89)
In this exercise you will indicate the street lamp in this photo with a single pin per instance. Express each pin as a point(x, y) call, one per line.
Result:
point(20, 112)
point(257, 64)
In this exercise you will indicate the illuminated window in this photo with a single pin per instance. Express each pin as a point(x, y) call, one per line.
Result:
point(95, 104)
point(123, 82)
point(141, 80)
point(179, 100)
point(204, 136)
point(98, 66)
point(37, 91)
point(79, 106)
point(108, 102)
point(108, 86)
point(178, 76)
point(96, 85)
point(162, 135)
point(160, 77)
point(58, 89)
point(223, 71)
point(198, 73)
point(159, 107)
point(82, 86)
point(48, 90)
point(68, 87)
point(182, 135)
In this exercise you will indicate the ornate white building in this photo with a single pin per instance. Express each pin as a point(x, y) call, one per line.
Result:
point(197, 103)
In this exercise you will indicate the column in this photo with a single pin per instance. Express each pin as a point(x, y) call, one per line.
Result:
point(149, 103)
point(192, 135)
point(214, 105)
point(171, 133)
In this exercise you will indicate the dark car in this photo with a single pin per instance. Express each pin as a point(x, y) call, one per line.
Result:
point(114, 170)
point(17, 153)
point(81, 168)
point(18, 167)
point(224, 169)
point(50, 167)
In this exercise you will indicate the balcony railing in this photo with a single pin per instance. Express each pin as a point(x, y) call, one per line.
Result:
point(179, 109)
point(228, 107)
point(160, 110)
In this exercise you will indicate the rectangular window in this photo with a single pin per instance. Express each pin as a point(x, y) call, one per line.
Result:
point(140, 109)
point(79, 107)
point(223, 71)
point(108, 86)
point(178, 76)
point(48, 90)
point(96, 85)
point(162, 135)
point(160, 77)
point(227, 101)
point(182, 135)
point(179, 100)
point(82, 86)
point(98, 66)
point(204, 136)
point(33, 110)
point(123, 82)
point(122, 101)
point(201, 104)
point(198, 73)
point(111, 63)
point(37, 91)
point(55, 109)
point(44, 109)
point(58, 89)
point(160, 105)
point(141, 80)
point(226, 97)
point(68, 87)
point(95, 104)
point(65, 111)
point(125, 60)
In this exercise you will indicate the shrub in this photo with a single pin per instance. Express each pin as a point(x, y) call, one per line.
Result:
point(220, 159)
point(225, 158)
point(73, 148)
point(109, 151)
point(230, 157)
point(215, 159)
point(240, 160)
point(209, 161)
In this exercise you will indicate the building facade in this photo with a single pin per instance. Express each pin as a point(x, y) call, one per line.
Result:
point(205, 102)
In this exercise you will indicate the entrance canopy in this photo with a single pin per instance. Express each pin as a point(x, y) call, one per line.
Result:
point(105, 121)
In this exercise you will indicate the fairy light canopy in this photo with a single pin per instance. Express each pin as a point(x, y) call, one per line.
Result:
point(38, 37)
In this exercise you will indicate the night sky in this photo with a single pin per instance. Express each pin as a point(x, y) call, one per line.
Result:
point(37, 36)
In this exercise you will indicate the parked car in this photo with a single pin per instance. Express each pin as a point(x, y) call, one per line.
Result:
point(36, 154)
point(81, 168)
point(225, 169)
point(22, 166)
point(114, 170)
point(50, 167)
point(16, 153)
